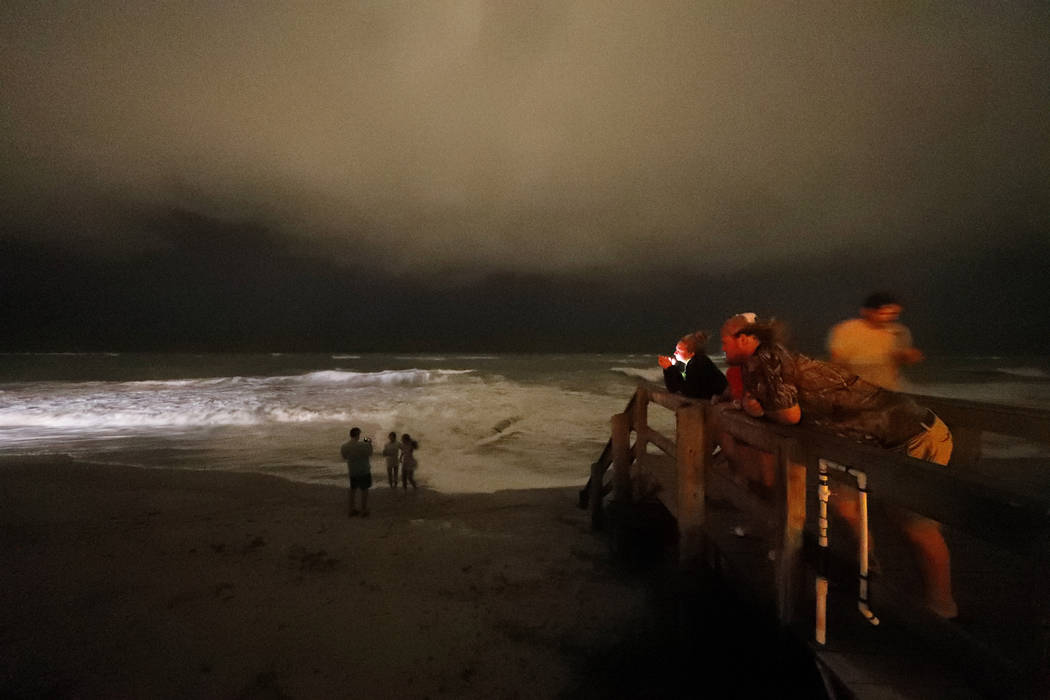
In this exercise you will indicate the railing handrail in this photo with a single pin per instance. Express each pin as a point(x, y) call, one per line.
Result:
point(1016, 421)
point(1015, 520)
point(1018, 521)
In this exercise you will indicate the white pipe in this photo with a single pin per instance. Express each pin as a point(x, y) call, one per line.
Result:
point(824, 494)
point(862, 593)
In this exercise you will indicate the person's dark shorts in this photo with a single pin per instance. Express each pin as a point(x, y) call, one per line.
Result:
point(361, 482)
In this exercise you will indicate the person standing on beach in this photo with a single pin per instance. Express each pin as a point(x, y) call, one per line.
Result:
point(357, 454)
point(689, 371)
point(408, 461)
point(390, 452)
point(874, 346)
point(787, 387)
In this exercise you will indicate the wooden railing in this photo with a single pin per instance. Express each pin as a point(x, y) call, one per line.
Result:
point(964, 499)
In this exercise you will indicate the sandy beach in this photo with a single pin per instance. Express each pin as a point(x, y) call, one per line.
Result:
point(127, 582)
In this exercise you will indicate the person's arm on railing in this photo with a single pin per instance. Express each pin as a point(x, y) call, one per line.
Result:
point(785, 416)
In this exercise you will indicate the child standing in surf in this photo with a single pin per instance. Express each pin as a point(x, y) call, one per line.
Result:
point(390, 451)
point(408, 461)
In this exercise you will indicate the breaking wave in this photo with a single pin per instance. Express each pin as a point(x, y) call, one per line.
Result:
point(314, 397)
point(654, 374)
point(405, 377)
point(1025, 372)
point(182, 416)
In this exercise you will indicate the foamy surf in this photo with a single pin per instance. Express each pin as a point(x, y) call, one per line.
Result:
point(502, 423)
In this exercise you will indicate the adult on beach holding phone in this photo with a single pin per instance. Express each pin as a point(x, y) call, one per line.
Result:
point(357, 454)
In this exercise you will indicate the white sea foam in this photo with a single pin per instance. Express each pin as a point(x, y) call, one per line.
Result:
point(205, 402)
point(1028, 372)
point(158, 416)
point(537, 422)
point(650, 374)
point(406, 377)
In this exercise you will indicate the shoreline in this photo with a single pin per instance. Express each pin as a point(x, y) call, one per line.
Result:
point(159, 582)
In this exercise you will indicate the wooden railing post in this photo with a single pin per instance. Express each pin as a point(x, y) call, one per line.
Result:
point(596, 497)
point(791, 512)
point(640, 412)
point(693, 450)
point(621, 456)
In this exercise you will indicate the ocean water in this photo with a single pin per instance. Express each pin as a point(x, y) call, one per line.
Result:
point(484, 422)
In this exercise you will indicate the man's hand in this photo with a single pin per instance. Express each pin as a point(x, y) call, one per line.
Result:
point(752, 407)
point(664, 361)
point(908, 356)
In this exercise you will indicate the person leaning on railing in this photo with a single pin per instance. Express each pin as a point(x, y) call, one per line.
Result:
point(788, 387)
point(689, 371)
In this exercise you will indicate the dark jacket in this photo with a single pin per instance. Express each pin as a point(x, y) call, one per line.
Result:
point(701, 379)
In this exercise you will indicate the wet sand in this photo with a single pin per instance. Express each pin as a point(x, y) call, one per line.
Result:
point(124, 582)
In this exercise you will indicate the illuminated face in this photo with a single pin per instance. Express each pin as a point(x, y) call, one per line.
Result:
point(681, 353)
point(887, 313)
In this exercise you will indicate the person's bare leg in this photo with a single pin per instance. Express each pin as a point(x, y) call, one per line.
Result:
point(934, 561)
point(845, 502)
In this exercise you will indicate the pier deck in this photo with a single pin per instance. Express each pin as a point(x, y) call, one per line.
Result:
point(762, 537)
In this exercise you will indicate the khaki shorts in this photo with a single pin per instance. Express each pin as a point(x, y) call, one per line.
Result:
point(933, 444)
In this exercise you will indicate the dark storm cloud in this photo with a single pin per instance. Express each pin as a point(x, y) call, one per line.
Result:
point(534, 136)
point(196, 174)
point(211, 284)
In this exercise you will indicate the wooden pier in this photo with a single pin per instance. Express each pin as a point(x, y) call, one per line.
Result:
point(755, 521)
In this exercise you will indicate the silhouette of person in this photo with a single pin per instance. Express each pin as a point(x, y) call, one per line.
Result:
point(390, 452)
point(408, 461)
point(357, 454)
point(876, 345)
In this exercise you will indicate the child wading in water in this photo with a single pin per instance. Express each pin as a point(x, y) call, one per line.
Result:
point(390, 451)
point(408, 461)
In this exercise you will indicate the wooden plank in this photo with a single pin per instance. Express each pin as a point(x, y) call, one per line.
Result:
point(665, 398)
point(693, 450)
point(1010, 520)
point(666, 444)
point(639, 412)
point(597, 495)
point(1030, 423)
point(791, 509)
point(621, 454)
point(759, 434)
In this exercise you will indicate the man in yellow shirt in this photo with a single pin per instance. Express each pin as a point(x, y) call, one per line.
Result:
point(874, 346)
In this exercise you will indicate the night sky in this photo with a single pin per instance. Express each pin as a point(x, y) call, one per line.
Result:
point(524, 176)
